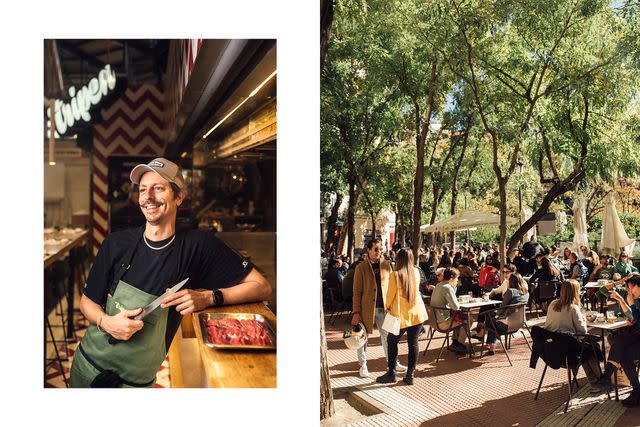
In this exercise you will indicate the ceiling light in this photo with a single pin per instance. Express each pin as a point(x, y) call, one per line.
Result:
point(240, 105)
point(184, 154)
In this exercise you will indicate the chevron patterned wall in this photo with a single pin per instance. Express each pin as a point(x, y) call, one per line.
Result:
point(132, 125)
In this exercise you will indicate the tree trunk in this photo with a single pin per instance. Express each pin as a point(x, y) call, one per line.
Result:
point(326, 21)
point(331, 224)
point(327, 408)
point(418, 187)
point(421, 137)
point(351, 213)
point(502, 189)
point(554, 192)
point(373, 224)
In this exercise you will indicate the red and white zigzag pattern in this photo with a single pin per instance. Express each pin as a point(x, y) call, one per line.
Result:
point(133, 125)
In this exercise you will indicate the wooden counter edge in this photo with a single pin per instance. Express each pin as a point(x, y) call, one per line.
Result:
point(254, 308)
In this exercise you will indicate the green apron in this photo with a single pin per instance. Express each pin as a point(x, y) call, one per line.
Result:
point(137, 360)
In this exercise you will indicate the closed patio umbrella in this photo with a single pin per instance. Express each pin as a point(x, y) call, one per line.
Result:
point(614, 238)
point(579, 225)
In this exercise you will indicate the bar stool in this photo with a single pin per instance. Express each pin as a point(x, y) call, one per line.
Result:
point(61, 271)
point(50, 303)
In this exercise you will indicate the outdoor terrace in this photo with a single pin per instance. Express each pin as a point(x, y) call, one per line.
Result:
point(482, 391)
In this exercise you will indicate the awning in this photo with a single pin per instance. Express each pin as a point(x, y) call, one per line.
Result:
point(465, 220)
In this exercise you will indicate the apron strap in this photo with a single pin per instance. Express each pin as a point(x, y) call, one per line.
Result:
point(126, 262)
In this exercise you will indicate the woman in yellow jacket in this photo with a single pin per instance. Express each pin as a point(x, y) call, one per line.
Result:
point(403, 287)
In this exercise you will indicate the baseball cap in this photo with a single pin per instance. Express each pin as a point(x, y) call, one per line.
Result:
point(163, 167)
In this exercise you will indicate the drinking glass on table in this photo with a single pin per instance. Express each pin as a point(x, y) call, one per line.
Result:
point(611, 315)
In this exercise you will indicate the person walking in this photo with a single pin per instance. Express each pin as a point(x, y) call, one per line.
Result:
point(370, 282)
point(404, 302)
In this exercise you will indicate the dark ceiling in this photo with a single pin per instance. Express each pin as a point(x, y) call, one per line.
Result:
point(137, 60)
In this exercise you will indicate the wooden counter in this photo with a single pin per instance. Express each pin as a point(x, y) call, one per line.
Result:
point(53, 253)
point(237, 368)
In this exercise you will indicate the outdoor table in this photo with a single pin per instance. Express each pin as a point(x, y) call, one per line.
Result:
point(57, 244)
point(467, 307)
point(604, 326)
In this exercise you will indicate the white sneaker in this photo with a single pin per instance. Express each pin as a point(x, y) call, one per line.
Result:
point(400, 367)
point(364, 372)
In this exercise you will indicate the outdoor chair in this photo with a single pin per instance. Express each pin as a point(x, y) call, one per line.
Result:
point(433, 325)
point(338, 307)
point(517, 318)
point(561, 350)
point(544, 293)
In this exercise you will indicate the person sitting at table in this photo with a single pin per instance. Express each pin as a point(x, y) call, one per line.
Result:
point(624, 266)
point(516, 293)
point(566, 254)
point(564, 315)
point(456, 259)
point(546, 272)
point(578, 271)
point(488, 275)
point(473, 261)
point(522, 264)
point(625, 348)
point(445, 260)
point(334, 276)
point(498, 292)
point(583, 252)
point(554, 251)
point(404, 302)
point(591, 260)
point(444, 295)
point(465, 270)
point(604, 270)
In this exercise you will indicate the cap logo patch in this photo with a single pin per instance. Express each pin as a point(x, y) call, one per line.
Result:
point(157, 164)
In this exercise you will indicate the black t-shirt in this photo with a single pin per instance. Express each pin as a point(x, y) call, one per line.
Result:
point(198, 255)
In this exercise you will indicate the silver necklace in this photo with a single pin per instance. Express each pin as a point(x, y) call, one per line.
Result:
point(161, 247)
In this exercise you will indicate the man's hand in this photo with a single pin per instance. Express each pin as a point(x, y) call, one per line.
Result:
point(121, 326)
point(189, 300)
point(355, 319)
point(430, 288)
point(616, 296)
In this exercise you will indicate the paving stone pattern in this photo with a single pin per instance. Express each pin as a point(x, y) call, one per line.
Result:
point(483, 391)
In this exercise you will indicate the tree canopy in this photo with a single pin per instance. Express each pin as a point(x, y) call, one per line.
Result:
point(488, 96)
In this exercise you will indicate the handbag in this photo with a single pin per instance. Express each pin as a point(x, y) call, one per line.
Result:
point(391, 323)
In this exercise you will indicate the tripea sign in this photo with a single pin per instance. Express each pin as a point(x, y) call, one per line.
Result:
point(68, 113)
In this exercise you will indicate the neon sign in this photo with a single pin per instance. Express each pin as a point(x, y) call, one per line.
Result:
point(68, 113)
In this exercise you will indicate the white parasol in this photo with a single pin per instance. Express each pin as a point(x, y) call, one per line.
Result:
point(614, 238)
point(579, 225)
point(465, 220)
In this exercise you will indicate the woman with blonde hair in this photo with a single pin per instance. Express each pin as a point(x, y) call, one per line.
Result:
point(564, 315)
point(404, 302)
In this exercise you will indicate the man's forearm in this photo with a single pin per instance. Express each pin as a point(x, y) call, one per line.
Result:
point(92, 311)
point(253, 288)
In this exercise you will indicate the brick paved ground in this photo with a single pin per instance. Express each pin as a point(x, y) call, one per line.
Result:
point(474, 392)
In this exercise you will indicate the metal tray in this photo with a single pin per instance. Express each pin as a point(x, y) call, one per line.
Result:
point(202, 317)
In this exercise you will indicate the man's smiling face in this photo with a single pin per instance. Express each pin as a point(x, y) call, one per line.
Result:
point(157, 201)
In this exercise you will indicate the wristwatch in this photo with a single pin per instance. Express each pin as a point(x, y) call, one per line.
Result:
point(218, 299)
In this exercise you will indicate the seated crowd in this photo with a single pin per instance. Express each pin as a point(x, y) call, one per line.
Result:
point(399, 288)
